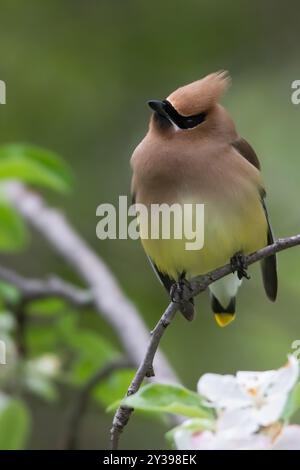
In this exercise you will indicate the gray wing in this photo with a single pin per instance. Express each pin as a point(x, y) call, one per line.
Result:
point(268, 265)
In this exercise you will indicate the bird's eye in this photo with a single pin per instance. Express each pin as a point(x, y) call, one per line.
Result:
point(183, 122)
point(192, 121)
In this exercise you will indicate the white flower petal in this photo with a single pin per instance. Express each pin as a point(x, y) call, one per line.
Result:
point(48, 364)
point(253, 384)
point(207, 440)
point(271, 410)
point(237, 423)
point(222, 390)
point(189, 440)
point(204, 441)
point(270, 382)
point(183, 439)
point(284, 378)
point(288, 439)
point(252, 442)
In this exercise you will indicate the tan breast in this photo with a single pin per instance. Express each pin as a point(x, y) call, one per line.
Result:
point(183, 170)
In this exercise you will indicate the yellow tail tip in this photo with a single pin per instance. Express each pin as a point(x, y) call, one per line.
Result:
point(223, 319)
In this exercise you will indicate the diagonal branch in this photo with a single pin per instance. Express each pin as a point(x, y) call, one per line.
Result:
point(123, 413)
point(198, 285)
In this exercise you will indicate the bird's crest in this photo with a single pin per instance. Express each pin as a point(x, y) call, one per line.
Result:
point(199, 96)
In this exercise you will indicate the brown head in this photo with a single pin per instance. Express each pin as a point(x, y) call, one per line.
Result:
point(193, 104)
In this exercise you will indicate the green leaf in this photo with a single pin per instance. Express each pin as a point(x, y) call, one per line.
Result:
point(169, 399)
point(93, 351)
point(34, 165)
point(9, 293)
point(114, 388)
point(41, 339)
point(293, 403)
point(47, 307)
point(13, 231)
point(90, 350)
point(14, 424)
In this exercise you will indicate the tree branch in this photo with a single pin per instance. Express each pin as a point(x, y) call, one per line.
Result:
point(198, 285)
point(123, 413)
point(34, 289)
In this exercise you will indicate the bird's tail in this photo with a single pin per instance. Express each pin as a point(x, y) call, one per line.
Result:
point(223, 294)
point(223, 316)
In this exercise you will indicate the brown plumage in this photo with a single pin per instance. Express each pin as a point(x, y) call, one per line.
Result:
point(193, 153)
point(200, 95)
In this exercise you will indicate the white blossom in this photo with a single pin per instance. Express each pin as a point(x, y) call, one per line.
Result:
point(287, 439)
point(261, 395)
point(231, 433)
point(249, 409)
point(48, 364)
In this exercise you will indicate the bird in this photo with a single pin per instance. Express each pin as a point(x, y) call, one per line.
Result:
point(192, 153)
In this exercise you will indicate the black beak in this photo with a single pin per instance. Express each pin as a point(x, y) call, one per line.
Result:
point(159, 107)
point(167, 111)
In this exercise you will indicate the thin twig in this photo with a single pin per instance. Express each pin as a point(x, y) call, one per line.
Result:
point(123, 413)
point(70, 439)
point(198, 285)
point(34, 289)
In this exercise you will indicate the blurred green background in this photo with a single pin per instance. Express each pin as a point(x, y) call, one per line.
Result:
point(78, 75)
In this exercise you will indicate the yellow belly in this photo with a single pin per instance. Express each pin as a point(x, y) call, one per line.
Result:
point(226, 232)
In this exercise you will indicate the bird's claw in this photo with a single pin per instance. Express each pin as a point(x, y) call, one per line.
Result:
point(239, 265)
point(181, 291)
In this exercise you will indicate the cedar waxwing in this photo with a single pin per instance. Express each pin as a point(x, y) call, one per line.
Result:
point(193, 153)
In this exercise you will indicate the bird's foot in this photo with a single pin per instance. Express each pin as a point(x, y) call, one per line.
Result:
point(239, 265)
point(181, 293)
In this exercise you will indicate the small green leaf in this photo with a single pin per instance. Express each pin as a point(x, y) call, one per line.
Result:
point(293, 403)
point(41, 338)
point(14, 424)
point(13, 231)
point(90, 350)
point(113, 406)
point(114, 388)
point(169, 399)
point(47, 307)
point(9, 293)
point(34, 165)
